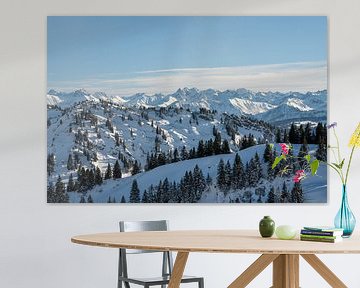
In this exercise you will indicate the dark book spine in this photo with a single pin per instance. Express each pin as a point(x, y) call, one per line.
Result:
point(317, 233)
point(317, 239)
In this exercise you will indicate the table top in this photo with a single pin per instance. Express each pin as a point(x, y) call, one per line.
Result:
point(216, 241)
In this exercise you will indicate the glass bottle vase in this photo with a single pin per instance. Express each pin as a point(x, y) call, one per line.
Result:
point(345, 219)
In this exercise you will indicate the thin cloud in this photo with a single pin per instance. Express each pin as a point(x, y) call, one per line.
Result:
point(301, 77)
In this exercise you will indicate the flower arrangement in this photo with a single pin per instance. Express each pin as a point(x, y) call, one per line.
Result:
point(307, 164)
point(310, 164)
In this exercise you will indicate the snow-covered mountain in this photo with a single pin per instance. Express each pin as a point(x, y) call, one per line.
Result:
point(63, 99)
point(152, 137)
point(273, 107)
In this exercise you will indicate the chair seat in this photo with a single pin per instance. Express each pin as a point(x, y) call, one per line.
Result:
point(158, 280)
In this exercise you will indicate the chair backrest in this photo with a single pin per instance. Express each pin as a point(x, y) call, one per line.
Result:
point(137, 226)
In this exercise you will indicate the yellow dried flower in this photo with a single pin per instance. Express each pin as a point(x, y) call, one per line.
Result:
point(355, 138)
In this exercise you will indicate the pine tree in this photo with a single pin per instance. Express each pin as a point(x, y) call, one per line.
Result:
point(267, 153)
point(89, 199)
point(199, 183)
point(60, 195)
point(163, 192)
point(321, 152)
point(82, 199)
point(304, 150)
point(278, 136)
point(208, 180)
point(258, 166)
point(293, 134)
point(252, 173)
point(225, 147)
point(217, 144)
point(221, 178)
point(70, 163)
point(184, 153)
point(50, 163)
point(209, 147)
point(82, 180)
point(117, 170)
point(136, 168)
point(297, 193)
point(284, 198)
point(271, 195)
point(307, 133)
point(201, 149)
point(51, 193)
point(122, 199)
point(192, 153)
point(108, 173)
point(98, 176)
point(176, 155)
point(145, 197)
point(260, 192)
point(134, 193)
point(228, 176)
point(237, 173)
point(70, 185)
point(286, 137)
point(151, 193)
point(90, 178)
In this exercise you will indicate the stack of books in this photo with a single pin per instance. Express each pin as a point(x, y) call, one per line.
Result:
point(321, 234)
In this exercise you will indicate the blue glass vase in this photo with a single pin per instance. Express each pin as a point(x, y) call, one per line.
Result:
point(345, 219)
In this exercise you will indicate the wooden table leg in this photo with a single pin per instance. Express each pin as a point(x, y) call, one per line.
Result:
point(253, 270)
point(178, 270)
point(286, 271)
point(324, 271)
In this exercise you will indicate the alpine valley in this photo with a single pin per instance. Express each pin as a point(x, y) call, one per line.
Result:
point(189, 146)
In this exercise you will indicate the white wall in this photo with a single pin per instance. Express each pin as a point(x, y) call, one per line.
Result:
point(35, 248)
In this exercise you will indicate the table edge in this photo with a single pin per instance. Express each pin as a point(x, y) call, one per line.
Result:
point(205, 250)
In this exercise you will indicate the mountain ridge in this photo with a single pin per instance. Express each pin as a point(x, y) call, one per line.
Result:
point(273, 107)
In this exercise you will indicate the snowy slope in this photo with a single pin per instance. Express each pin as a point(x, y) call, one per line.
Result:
point(314, 187)
point(137, 132)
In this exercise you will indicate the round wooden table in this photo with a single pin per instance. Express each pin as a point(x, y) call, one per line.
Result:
point(284, 254)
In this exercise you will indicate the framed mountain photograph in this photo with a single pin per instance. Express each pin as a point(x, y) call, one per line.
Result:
point(185, 109)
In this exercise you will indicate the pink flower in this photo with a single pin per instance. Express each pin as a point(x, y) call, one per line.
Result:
point(284, 148)
point(299, 175)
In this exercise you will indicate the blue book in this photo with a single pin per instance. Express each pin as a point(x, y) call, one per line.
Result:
point(322, 231)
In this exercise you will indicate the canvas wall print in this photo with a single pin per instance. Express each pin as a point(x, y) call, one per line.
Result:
point(185, 109)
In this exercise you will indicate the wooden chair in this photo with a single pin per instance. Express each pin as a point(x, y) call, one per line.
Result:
point(167, 262)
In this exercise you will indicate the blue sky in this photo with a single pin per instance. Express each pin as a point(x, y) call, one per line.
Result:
point(125, 55)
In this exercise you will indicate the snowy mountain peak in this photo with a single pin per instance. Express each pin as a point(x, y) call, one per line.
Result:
point(269, 106)
point(298, 104)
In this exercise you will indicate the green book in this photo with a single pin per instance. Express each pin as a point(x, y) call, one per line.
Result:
point(324, 240)
point(319, 236)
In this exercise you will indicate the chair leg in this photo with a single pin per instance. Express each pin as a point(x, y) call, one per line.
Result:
point(201, 283)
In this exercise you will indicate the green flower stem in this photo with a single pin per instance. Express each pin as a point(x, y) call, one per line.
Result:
point(348, 167)
point(338, 145)
point(339, 160)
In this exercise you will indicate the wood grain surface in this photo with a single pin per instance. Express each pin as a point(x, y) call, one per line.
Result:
point(217, 241)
